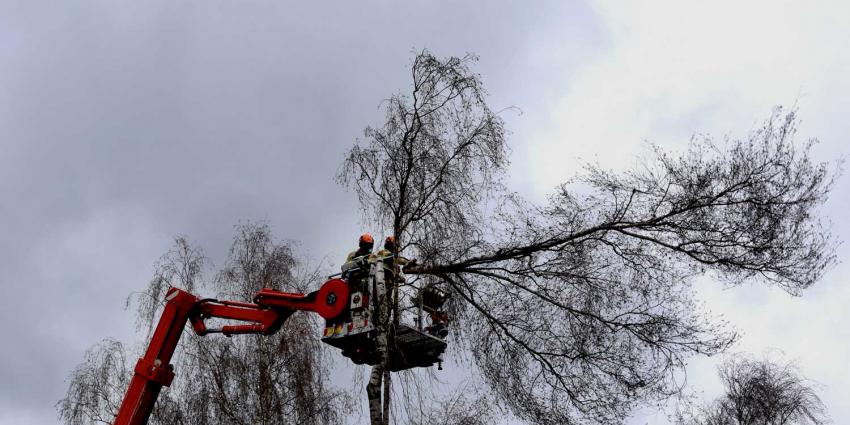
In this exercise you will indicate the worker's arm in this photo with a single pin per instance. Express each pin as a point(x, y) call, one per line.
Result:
point(353, 261)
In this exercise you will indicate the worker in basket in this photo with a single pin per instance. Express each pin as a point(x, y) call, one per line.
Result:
point(355, 271)
point(390, 261)
point(356, 266)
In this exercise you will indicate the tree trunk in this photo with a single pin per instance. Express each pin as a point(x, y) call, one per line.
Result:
point(387, 387)
point(380, 370)
point(373, 391)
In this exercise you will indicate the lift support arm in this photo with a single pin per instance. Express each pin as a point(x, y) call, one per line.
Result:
point(266, 315)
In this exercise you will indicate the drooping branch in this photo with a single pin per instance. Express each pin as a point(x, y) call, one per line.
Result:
point(745, 211)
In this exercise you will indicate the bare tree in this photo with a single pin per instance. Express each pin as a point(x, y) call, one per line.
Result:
point(93, 395)
point(578, 310)
point(423, 174)
point(249, 379)
point(760, 392)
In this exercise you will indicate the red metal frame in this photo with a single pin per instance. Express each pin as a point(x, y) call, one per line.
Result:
point(266, 315)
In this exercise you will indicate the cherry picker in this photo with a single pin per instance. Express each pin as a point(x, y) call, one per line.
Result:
point(349, 326)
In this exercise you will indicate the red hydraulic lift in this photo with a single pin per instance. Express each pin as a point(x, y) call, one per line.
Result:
point(265, 316)
point(348, 327)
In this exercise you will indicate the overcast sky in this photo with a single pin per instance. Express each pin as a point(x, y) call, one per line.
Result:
point(123, 123)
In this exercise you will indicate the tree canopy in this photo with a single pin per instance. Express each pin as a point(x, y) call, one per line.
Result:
point(577, 310)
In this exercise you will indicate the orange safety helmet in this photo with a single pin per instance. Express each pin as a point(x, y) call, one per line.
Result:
point(389, 243)
point(367, 239)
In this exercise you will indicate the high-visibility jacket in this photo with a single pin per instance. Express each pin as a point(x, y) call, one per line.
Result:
point(384, 255)
point(352, 260)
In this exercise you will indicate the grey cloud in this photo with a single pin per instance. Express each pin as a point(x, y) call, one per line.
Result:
point(123, 123)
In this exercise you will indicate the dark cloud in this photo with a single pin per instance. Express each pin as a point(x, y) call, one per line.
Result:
point(123, 123)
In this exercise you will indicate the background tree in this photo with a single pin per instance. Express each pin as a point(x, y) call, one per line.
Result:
point(250, 379)
point(760, 392)
point(97, 385)
point(577, 310)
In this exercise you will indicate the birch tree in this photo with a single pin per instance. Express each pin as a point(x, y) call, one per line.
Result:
point(760, 392)
point(578, 310)
point(423, 174)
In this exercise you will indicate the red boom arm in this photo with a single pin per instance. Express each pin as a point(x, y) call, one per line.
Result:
point(270, 310)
